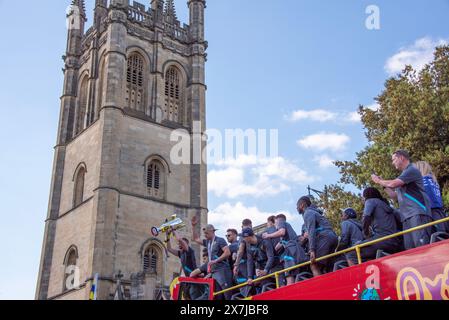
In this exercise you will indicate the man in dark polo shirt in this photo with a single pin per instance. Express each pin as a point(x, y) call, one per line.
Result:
point(219, 253)
point(414, 204)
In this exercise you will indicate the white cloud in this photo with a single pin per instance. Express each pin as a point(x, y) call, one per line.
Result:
point(325, 141)
point(319, 115)
point(374, 107)
point(354, 117)
point(252, 176)
point(417, 55)
point(324, 161)
point(228, 215)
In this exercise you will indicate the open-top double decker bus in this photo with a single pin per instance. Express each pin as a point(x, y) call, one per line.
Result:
point(417, 274)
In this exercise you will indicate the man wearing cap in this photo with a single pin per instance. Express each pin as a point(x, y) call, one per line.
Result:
point(322, 239)
point(293, 254)
point(260, 254)
point(219, 253)
point(351, 229)
point(414, 204)
point(185, 252)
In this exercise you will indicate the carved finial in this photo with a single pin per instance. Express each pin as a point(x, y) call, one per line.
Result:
point(81, 6)
point(170, 10)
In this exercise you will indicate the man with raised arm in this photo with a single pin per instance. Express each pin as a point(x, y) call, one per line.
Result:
point(184, 252)
point(219, 253)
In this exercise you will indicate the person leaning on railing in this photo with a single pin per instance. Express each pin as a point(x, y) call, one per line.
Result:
point(414, 204)
point(351, 231)
point(322, 239)
point(218, 252)
point(262, 254)
point(378, 216)
point(292, 253)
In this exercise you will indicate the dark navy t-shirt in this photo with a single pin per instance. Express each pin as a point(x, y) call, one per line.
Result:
point(411, 196)
point(188, 261)
point(215, 251)
point(383, 219)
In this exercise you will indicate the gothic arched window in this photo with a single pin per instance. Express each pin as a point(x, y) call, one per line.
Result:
point(78, 193)
point(151, 260)
point(81, 118)
point(173, 95)
point(70, 265)
point(135, 82)
point(155, 176)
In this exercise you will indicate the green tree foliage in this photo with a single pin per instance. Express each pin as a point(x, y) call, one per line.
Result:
point(413, 115)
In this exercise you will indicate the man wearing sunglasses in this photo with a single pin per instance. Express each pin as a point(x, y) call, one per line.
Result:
point(219, 253)
point(231, 236)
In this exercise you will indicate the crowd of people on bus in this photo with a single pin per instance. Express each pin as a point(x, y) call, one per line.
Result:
point(245, 256)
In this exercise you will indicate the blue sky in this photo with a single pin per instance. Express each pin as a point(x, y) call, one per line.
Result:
point(285, 64)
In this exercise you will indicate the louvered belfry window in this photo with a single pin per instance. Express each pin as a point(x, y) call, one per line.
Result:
point(150, 260)
point(173, 98)
point(155, 179)
point(135, 82)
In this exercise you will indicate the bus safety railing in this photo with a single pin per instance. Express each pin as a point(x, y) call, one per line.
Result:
point(356, 248)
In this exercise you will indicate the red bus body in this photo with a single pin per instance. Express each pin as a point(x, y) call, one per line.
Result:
point(417, 274)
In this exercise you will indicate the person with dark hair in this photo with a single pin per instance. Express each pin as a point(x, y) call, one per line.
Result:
point(184, 252)
point(271, 228)
point(292, 254)
point(378, 221)
point(322, 239)
point(351, 229)
point(414, 204)
point(241, 266)
point(261, 254)
point(231, 236)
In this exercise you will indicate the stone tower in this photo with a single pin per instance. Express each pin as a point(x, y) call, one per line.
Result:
point(129, 81)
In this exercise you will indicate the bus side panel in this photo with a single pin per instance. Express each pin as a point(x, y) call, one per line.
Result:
point(417, 274)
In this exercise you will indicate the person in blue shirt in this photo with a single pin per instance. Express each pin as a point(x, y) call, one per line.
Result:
point(414, 204)
point(433, 191)
point(322, 239)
